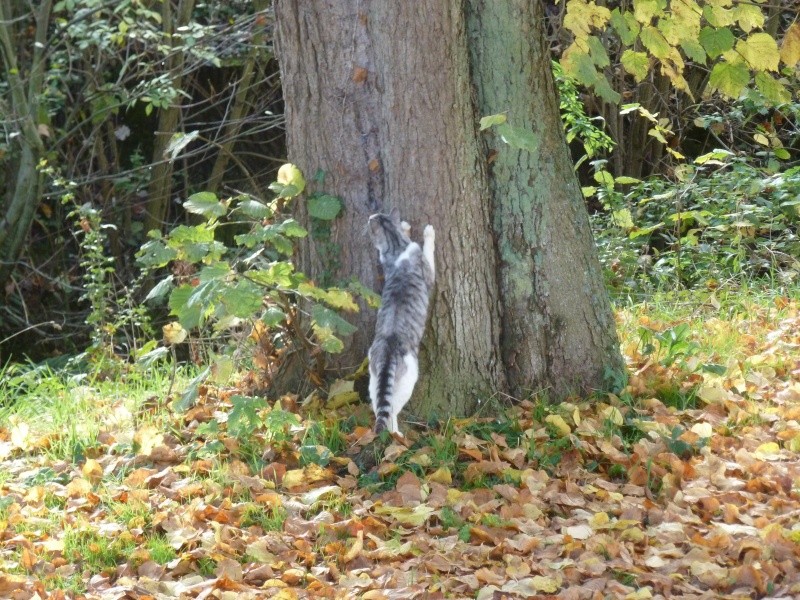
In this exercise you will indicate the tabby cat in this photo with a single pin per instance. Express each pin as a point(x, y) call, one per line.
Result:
point(408, 280)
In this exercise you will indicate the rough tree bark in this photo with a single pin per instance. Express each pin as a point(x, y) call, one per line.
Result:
point(385, 97)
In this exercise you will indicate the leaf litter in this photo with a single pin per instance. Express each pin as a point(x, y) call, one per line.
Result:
point(617, 496)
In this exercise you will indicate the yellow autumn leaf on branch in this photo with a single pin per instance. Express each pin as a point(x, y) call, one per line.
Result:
point(760, 50)
point(790, 48)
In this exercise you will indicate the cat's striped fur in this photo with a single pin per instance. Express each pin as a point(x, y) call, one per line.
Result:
point(408, 279)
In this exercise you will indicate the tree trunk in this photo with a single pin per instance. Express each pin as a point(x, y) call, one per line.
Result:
point(160, 188)
point(380, 96)
point(558, 333)
point(24, 196)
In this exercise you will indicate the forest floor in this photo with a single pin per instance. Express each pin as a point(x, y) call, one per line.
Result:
point(685, 485)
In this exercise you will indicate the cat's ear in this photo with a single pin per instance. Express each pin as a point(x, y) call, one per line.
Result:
point(395, 215)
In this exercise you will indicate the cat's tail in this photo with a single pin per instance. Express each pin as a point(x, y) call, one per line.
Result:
point(384, 362)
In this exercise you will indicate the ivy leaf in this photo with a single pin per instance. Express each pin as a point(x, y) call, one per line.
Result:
point(760, 50)
point(790, 48)
point(716, 41)
point(206, 204)
point(636, 63)
point(729, 79)
point(324, 207)
point(604, 178)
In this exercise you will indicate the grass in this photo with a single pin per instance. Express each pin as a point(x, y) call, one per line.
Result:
point(95, 552)
point(74, 407)
point(267, 518)
point(161, 551)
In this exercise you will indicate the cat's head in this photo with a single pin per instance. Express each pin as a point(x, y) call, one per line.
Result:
point(388, 234)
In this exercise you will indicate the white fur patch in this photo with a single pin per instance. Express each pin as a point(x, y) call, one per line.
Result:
point(408, 252)
point(403, 388)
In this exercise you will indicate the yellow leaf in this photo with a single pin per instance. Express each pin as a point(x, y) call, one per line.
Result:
point(704, 430)
point(760, 50)
point(790, 48)
point(148, 437)
point(174, 333)
point(559, 423)
point(355, 550)
point(548, 585)
point(612, 413)
point(579, 532)
point(599, 520)
point(20, 433)
point(749, 16)
point(760, 138)
point(583, 16)
point(641, 594)
point(404, 515)
point(769, 449)
point(289, 174)
point(633, 534)
point(441, 475)
point(343, 399)
point(92, 470)
point(636, 63)
point(645, 10)
point(294, 478)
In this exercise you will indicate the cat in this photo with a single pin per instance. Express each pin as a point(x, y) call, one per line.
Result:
point(409, 274)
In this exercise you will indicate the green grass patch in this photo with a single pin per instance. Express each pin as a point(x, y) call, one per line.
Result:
point(161, 551)
point(97, 553)
point(267, 518)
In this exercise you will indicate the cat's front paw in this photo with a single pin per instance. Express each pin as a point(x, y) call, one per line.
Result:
point(429, 233)
point(405, 227)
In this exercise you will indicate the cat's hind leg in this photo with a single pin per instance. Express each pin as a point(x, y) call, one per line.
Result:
point(403, 388)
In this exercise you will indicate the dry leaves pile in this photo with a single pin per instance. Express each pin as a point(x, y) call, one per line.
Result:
point(583, 500)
